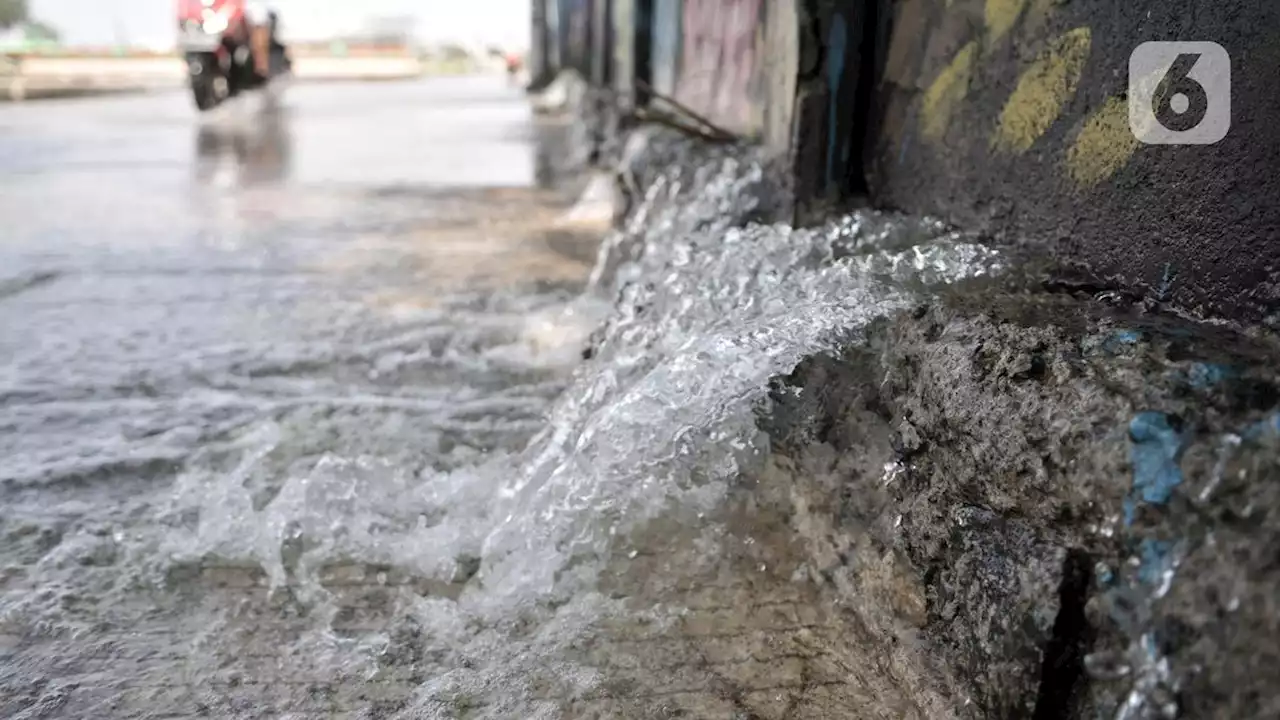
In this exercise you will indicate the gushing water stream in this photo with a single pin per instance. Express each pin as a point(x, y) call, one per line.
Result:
point(436, 509)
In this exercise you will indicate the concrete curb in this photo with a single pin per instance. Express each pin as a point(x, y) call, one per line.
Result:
point(22, 90)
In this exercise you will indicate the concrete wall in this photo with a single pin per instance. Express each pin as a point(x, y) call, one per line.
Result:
point(577, 29)
point(539, 61)
point(835, 76)
point(631, 50)
point(1011, 116)
point(719, 58)
point(719, 61)
point(665, 45)
point(1007, 116)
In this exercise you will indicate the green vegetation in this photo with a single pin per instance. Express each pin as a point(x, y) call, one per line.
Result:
point(12, 12)
point(35, 35)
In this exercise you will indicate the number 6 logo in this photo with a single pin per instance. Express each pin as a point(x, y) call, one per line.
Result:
point(1179, 93)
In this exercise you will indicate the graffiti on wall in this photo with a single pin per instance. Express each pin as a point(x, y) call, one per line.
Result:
point(719, 42)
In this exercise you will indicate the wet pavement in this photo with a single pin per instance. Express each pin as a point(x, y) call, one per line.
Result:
point(215, 328)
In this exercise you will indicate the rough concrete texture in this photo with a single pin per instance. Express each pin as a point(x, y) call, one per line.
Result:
point(1016, 500)
point(1039, 506)
point(1010, 116)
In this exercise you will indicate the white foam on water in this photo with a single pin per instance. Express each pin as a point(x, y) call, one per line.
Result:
point(660, 421)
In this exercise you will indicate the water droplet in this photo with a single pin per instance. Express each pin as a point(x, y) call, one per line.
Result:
point(1106, 665)
point(892, 470)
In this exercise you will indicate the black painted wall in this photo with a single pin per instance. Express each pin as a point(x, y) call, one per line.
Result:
point(1195, 226)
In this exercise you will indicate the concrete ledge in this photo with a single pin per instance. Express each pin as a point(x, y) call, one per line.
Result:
point(19, 91)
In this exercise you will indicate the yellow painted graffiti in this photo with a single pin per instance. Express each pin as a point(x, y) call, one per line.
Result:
point(1104, 145)
point(946, 92)
point(1000, 16)
point(1042, 90)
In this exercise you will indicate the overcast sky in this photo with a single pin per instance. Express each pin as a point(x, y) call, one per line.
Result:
point(151, 22)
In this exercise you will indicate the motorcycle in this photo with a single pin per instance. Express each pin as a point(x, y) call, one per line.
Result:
point(214, 37)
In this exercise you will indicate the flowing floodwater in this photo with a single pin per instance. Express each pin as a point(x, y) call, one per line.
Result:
point(297, 455)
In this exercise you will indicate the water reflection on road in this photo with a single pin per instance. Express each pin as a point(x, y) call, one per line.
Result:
point(250, 359)
point(256, 152)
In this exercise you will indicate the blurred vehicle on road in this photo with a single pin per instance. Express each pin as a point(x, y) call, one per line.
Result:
point(230, 46)
point(515, 63)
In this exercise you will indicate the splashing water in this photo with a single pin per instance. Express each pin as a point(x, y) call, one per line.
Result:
point(461, 543)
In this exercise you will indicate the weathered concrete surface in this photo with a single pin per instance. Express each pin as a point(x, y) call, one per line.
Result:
point(1009, 116)
point(1022, 504)
point(975, 484)
point(1003, 503)
point(732, 61)
point(834, 75)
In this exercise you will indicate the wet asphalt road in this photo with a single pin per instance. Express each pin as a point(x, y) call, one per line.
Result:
point(148, 250)
point(236, 343)
point(453, 132)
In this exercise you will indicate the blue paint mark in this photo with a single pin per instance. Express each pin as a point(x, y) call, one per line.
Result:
point(1269, 426)
point(1116, 342)
point(837, 42)
point(1155, 453)
point(1166, 282)
point(1157, 559)
point(906, 135)
point(1125, 337)
point(1150, 647)
point(1203, 376)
